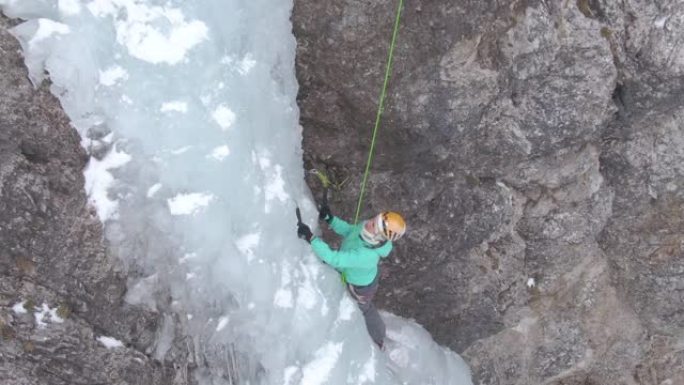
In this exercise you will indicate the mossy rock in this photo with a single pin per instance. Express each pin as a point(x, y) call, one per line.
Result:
point(30, 305)
point(29, 347)
point(472, 180)
point(7, 332)
point(25, 265)
point(591, 9)
point(606, 32)
point(585, 8)
point(63, 311)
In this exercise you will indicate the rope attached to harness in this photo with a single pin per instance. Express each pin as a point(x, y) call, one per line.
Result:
point(381, 102)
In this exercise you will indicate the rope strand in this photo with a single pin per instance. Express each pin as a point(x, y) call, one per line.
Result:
point(388, 70)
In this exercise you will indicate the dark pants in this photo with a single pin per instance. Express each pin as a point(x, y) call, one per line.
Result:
point(364, 296)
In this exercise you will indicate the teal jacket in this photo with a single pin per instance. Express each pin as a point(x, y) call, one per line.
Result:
point(356, 259)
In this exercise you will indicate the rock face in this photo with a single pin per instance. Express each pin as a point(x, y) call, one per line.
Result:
point(536, 149)
point(60, 291)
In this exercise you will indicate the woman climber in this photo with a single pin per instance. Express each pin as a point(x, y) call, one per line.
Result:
point(357, 258)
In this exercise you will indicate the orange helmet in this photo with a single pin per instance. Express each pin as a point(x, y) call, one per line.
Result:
point(391, 225)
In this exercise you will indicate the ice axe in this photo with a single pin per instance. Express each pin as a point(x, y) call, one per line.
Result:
point(299, 216)
point(324, 202)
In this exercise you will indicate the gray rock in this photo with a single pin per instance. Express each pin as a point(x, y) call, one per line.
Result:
point(525, 142)
point(53, 258)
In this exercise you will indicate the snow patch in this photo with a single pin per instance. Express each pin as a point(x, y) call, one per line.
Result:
point(98, 179)
point(275, 188)
point(189, 204)
point(175, 106)
point(181, 150)
point(223, 116)
point(186, 257)
point(153, 190)
point(247, 244)
point(223, 321)
point(243, 66)
point(317, 372)
point(288, 374)
point(368, 370)
point(264, 160)
point(69, 7)
point(283, 298)
point(45, 315)
point(151, 33)
point(109, 342)
point(19, 308)
point(246, 64)
point(47, 28)
point(660, 22)
point(347, 307)
point(113, 74)
point(220, 153)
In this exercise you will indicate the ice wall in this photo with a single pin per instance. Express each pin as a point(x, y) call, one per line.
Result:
point(188, 109)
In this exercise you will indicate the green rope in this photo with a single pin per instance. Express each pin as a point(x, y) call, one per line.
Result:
point(381, 102)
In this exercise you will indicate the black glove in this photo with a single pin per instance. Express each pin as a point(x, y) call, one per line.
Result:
point(304, 232)
point(324, 213)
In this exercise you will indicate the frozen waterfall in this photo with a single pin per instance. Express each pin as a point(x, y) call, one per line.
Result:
point(188, 110)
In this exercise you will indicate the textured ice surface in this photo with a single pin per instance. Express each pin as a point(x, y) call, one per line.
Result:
point(188, 109)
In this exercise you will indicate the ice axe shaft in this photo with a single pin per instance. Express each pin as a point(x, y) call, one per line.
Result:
point(324, 201)
point(299, 216)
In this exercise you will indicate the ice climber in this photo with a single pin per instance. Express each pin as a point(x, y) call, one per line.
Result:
point(357, 258)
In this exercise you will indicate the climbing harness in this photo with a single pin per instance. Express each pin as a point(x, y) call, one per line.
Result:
point(388, 69)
